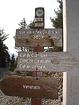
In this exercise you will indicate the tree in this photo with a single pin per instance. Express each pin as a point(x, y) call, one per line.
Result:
point(13, 63)
point(23, 24)
point(32, 25)
point(58, 20)
point(58, 23)
point(4, 54)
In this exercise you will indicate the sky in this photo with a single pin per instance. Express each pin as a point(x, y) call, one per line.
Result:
point(13, 11)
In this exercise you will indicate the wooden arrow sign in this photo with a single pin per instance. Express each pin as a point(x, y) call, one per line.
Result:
point(30, 87)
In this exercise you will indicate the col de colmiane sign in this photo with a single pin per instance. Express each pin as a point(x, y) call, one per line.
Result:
point(30, 87)
point(45, 61)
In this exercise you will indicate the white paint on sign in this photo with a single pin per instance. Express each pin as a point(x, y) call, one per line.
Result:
point(31, 87)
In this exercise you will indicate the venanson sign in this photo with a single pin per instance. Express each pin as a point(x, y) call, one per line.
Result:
point(44, 87)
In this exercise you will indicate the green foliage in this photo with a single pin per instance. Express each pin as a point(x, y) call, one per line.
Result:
point(23, 24)
point(4, 55)
point(18, 72)
point(3, 36)
point(13, 63)
point(29, 73)
point(58, 20)
point(31, 25)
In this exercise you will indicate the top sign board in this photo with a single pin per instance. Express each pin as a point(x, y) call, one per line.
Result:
point(46, 61)
point(39, 18)
point(39, 12)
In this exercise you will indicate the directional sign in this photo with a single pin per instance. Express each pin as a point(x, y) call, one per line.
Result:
point(46, 61)
point(33, 37)
point(30, 87)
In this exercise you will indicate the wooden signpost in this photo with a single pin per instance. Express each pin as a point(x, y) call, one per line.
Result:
point(36, 61)
point(36, 101)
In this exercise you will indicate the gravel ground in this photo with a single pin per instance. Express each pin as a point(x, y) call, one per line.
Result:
point(9, 100)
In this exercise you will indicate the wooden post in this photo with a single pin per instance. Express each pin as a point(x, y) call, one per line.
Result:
point(37, 101)
point(38, 48)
